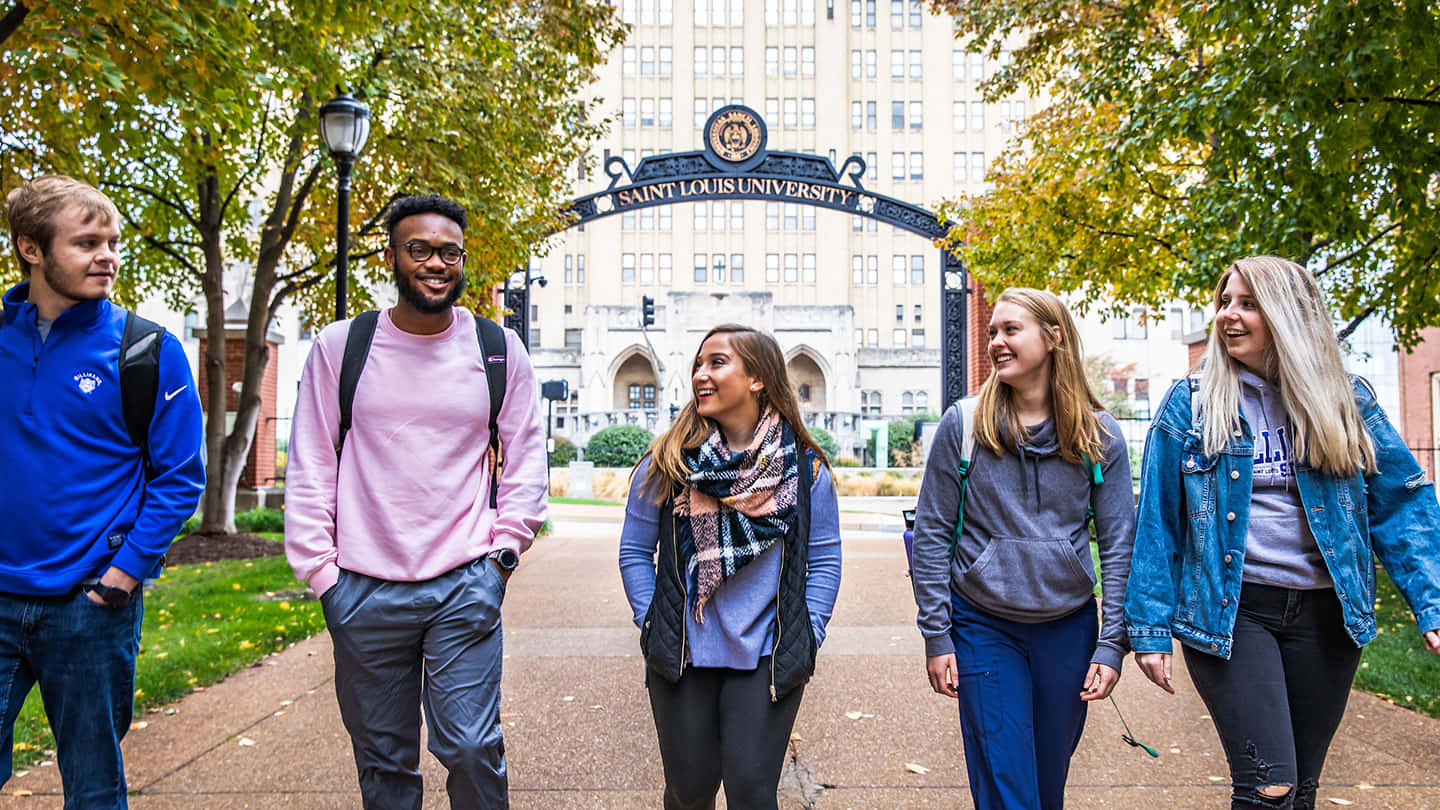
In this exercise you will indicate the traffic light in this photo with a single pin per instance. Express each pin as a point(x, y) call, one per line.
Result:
point(647, 311)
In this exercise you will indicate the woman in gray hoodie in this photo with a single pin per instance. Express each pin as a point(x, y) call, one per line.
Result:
point(1002, 571)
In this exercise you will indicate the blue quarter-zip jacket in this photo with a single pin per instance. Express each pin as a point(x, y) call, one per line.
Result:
point(74, 499)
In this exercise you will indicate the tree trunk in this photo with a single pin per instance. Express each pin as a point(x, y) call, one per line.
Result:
point(217, 506)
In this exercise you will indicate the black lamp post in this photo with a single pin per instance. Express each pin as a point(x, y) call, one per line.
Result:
point(344, 125)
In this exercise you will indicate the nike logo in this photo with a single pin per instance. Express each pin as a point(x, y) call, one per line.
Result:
point(172, 394)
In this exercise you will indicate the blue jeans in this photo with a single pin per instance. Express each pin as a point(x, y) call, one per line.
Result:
point(1021, 716)
point(83, 657)
point(434, 643)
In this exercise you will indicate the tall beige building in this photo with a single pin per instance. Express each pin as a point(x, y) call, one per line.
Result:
point(855, 303)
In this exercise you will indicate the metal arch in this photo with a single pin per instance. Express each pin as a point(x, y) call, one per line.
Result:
point(758, 174)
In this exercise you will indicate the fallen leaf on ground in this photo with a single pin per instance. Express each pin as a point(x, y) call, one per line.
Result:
point(1340, 801)
point(23, 792)
point(914, 767)
point(568, 698)
point(1216, 778)
point(853, 715)
point(597, 706)
point(1364, 786)
point(796, 738)
point(246, 741)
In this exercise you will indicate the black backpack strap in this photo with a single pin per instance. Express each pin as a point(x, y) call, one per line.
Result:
point(492, 352)
point(357, 348)
point(139, 367)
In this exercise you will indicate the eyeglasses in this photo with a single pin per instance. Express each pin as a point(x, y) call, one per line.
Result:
point(422, 251)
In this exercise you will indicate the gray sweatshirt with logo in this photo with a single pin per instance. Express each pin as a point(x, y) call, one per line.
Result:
point(1024, 552)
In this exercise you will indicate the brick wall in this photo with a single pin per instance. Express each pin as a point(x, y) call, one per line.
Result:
point(260, 465)
point(1416, 419)
point(978, 341)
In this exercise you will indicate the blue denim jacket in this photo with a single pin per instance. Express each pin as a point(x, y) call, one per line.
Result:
point(1191, 527)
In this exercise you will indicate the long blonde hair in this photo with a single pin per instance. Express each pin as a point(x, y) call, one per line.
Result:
point(1303, 356)
point(1074, 404)
point(760, 357)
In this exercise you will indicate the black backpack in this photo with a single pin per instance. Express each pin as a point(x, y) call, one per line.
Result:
point(492, 349)
point(140, 380)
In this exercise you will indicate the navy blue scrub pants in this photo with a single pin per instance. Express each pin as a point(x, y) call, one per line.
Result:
point(1021, 716)
point(437, 644)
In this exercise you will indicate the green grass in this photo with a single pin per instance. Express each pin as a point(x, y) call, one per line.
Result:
point(584, 501)
point(1396, 666)
point(202, 622)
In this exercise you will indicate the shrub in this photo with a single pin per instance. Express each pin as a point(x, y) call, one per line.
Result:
point(845, 461)
point(618, 446)
point(260, 519)
point(823, 438)
point(564, 452)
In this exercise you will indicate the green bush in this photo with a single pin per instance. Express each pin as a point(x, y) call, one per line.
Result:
point(564, 452)
point(618, 446)
point(823, 438)
point(845, 461)
point(191, 524)
point(260, 519)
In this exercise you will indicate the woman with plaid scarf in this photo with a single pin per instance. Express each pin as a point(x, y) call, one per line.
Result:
point(730, 556)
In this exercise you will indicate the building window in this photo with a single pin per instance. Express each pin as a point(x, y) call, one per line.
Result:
point(977, 167)
point(772, 268)
point(792, 268)
point(702, 60)
point(700, 113)
point(897, 64)
point(857, 115)
point(772, 61)
point(667, 270)
point(792, 113)
point(580, 269)
point(897, 165)
point(807, 60)
point(897, 14)
point(917, 338)
point(701, 269)
point(627, 61)
point(855, 12)
point(665, 117)
point(717, 216)
point(772, 216)
point(792, 61)
point(737, 61)
point(647, 268)
point(916, 114)
point(717, 61)
point(572, 338)
point(958, 173)
point(663, 216)
point(792, 216)
point(872, 64)
point(772, 110)
point(627, 112)
point(872, 169)
point(897, 277)
point(807, 113)
point(807, 268)
point(627, 268)
point(977, 116)
point(872, 270)
point(899, 337)
point(647, 112)
point(897, 115)
point(917, 64)
point(917, 165)
point(857, 271)
point(917, 276)
point(647, 60)
point(737, 268)
point(869, 13)
point(871, 116)
point(737, 216)
point(641, 397)
point(916, 14)
point(701, 216)
point(977, 67)
point(807, 218)
point(899, 313)
point(957, 65)
point(855, 65)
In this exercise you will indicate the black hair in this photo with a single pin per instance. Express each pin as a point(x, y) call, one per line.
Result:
point(423, 204)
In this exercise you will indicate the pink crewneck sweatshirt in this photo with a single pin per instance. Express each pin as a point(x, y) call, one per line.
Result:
point(410, 497)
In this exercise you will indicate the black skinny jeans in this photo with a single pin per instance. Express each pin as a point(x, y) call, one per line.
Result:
point(1278, 701)
point(718, 725)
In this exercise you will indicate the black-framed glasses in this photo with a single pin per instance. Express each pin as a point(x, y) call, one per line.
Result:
point(422, 251)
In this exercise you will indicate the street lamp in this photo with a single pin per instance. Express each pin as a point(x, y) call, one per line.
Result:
point(344, 125)
point(517, 301)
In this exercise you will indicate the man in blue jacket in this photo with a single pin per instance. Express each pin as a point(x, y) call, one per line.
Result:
point(85, 512)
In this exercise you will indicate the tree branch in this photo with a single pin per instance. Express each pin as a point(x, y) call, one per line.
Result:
point(1354, 323)
point(290, 277)
point(164, 246)
point(1361, 249)
point(165, 201)
point(1409, 102)
point(12, 19)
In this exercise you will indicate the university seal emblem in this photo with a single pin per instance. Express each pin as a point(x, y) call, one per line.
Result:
point(735, 134)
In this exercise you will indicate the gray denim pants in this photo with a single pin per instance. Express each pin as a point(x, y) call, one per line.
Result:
point(436, 644)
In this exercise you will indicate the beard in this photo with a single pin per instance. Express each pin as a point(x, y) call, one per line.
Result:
point(423, 301)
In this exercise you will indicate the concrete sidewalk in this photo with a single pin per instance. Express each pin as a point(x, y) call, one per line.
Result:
point(579, 733)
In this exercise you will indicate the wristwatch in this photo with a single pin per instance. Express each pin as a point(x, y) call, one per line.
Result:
point(506, 558)
point(112, 597)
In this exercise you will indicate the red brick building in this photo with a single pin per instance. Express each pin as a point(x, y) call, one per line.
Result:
point(260, 470)
point(1419, 417)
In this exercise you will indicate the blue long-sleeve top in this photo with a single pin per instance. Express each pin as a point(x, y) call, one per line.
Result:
point(74, 498)
point(740, 618)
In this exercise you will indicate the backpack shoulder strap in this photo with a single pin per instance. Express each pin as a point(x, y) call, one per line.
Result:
point(357, 348)
point(139, 367)
point(1197, 418)
point(966, 410)
point(492, 351)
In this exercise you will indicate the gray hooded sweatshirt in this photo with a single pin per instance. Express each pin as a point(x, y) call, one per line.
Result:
point(1024, 552)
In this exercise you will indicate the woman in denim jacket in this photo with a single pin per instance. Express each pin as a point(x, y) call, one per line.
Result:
point(1268, 485)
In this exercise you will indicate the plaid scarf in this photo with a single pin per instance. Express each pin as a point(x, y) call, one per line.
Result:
point(735, 506)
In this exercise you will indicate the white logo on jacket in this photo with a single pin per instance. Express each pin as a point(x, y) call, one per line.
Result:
point(88, 381)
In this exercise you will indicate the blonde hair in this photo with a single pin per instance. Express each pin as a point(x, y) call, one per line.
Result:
point(33, 208)
point(1303, 357)
point(1074, 404)
point(760, 357)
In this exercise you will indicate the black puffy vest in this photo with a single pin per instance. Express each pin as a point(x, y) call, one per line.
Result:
point(792, 659)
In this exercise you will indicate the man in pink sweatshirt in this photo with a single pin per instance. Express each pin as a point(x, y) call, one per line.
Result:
point(397, 534)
